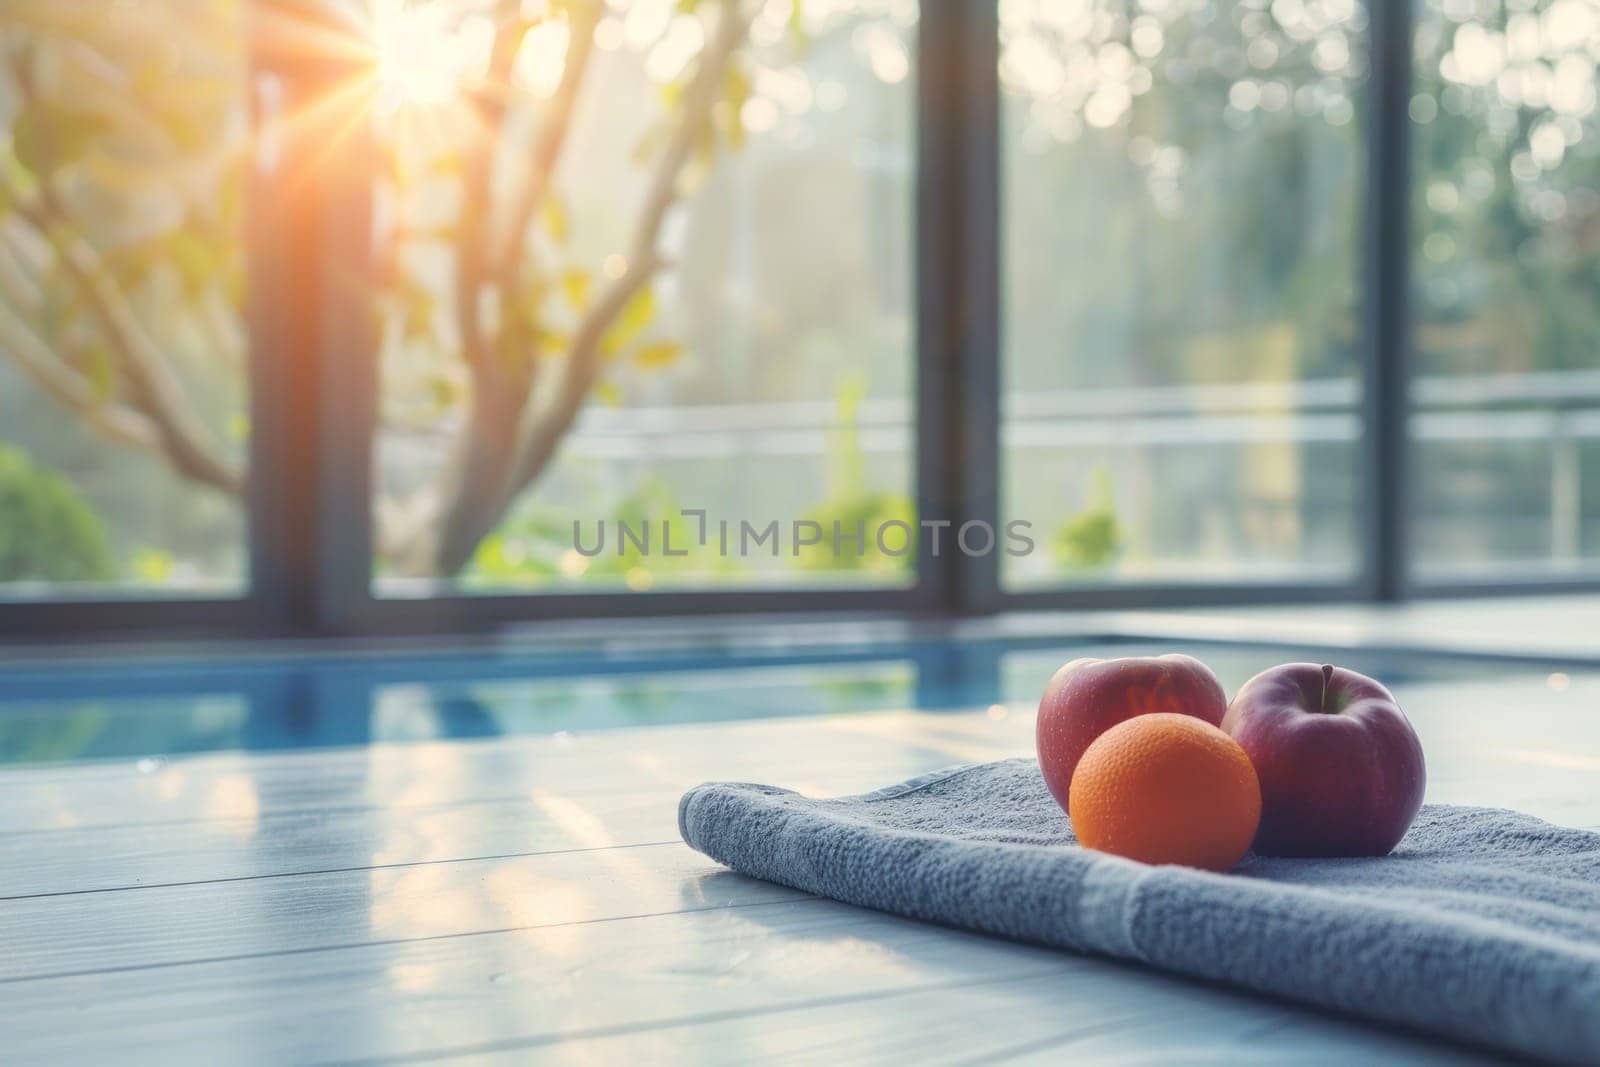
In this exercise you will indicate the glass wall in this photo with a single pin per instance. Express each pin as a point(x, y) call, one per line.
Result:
point(667, 269)
point(1182, 218)
point(122, 347)
point(640, 263)
point(1506, 272)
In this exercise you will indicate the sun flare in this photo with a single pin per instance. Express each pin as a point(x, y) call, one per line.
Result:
point(426, 56)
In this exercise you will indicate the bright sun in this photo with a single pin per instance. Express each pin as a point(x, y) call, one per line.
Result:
point(426, 55)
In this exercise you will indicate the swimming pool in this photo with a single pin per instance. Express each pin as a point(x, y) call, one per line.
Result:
point(152, 708)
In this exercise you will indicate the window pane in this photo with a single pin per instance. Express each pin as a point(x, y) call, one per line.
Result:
point(1181, 202)
point(122, 347)
point(537, 372)
point(1506, 270)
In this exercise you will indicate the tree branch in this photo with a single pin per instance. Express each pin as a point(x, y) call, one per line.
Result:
point(541, 439)
point(476, 189)
point(69, 389)
point(474, 475)
point(65, 385)
point(155, 392)
point(552, 137)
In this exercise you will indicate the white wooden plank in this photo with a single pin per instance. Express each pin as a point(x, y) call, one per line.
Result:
point(615, 790)
point(146, 855)
point(267, 916)
point(140, 856)
point(807, 980)
point(429, 995)
point(876, 747)
point(1084, 1012)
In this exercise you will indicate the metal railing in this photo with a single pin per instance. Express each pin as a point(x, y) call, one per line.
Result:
point(1559, 408)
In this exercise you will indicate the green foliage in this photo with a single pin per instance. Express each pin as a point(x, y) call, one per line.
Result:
point(47, 136)
point(658, 354)
point(866, 511)
point(123, 140)
point(855, 505)
point(1509, 252)
point(521, 552)
point(635, 316)
point(1094, 538)
point(110, 106)
point(152, 566)
point(535, 547)
point(48, 532)
point(736, 91)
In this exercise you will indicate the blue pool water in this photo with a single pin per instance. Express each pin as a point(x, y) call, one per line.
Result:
point(155, 708)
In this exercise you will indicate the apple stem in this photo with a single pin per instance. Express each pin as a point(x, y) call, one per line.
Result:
point(1327, 676)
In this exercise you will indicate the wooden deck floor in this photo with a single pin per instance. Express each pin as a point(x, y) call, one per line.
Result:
point(523, 898)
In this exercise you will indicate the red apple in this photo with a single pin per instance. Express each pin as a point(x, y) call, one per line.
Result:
point(1340, 768)
point(1087, 697)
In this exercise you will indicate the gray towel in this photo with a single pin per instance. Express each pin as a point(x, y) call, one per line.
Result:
point(1483, 925)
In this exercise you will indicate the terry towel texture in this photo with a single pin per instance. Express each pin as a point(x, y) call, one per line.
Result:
point(1484, 924)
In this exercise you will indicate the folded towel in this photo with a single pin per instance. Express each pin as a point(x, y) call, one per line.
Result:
point(1482, 925)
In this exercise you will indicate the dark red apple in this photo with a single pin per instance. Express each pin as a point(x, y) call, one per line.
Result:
point(1340, 767)
point(1087, 697)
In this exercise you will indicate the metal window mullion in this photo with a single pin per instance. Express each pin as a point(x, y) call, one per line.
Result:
point(1385, 365)
point(957, 311)
point(278, 499)
point(312, 380)
point(347, 381)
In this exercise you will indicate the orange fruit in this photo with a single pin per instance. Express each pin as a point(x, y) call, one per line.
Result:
point(1166, 788)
